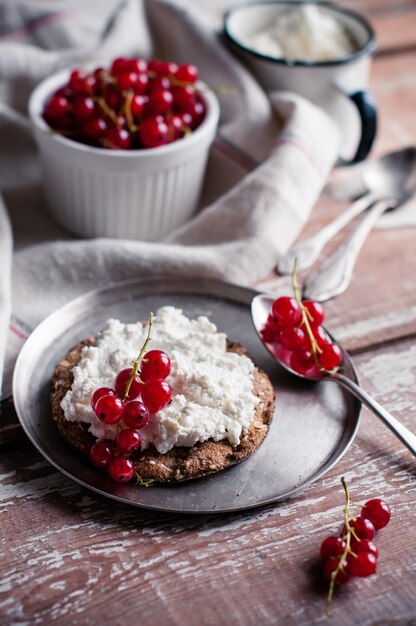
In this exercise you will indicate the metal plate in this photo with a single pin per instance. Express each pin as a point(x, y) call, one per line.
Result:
point(313, 426)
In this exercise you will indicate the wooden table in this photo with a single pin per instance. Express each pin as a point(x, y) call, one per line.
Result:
point(70, 557)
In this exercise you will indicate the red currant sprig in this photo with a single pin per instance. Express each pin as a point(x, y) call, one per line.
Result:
point(136, 363)
point(121, 406)
point(354, 553)
point(295, 328)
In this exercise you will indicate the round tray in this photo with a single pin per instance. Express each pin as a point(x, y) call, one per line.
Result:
point(313, 426)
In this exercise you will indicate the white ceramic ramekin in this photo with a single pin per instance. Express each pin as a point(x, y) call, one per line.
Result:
point(133, 194)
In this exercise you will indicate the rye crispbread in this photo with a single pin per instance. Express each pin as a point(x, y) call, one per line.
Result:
point(180, 463)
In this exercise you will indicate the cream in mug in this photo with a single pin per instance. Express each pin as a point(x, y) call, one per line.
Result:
point(303, 33)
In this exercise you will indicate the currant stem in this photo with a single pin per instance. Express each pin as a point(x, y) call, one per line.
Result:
point(127, 110)
point(295, 284)
point(346, 511)
point(137, 362)
point(143, 482)
point(315, 349)
point(106, 109)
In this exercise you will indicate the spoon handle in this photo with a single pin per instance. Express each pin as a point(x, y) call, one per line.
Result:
point(334, 275)
point(403, 433)
point(308, 250)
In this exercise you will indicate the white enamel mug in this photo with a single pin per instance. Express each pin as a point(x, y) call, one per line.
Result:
point(337, 86)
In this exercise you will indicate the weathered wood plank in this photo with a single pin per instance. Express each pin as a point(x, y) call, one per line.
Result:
point(69, 557)
point(395, 31)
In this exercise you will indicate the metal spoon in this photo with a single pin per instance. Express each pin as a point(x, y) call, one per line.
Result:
point(334, 274)
point(383, 178)
point(260, 309)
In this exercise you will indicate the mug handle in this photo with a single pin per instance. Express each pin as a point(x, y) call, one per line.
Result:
point(368, 116)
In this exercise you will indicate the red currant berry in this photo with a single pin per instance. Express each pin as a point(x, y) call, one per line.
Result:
point(163, 68)
point(141, 84)
point(101, 454)
point(175, 125)
point(108, 409)
point(364, 545)
point(364, 564)
point(119, 66)
point(77, 81)
point(83, 107)
point(156, 394)
point(137, 105)
point(330, 357)
point(183, 96)
point(363, 528)
point(121, 122)
point(301, 362)
point(95, 127)
point(377, 511)
point(121, 381)
point(272, 329)
point(273, 323)
point(57, 106)
point(160, 100)
point(128, 441)
point(112, 98)
point(99, 73)
point(186, 121)
point(155, 366)
point(100, 393)
point(268, 335)
point(137, 65)
point(287, 311)
point(153, 132)
point(332, 546)
point(197, 112)
point(64, 92)
point(90, 85)
point(117, 139)
point(160, 82)
point(293, 339)
point(127, 80)
point(316, 312)
point(121, 470)
point(321, 336)
point(135, 414)
point(187, 73)
point(343, 573)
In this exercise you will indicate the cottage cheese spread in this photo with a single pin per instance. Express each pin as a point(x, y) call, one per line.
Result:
point(212, 388)
point(303, 33)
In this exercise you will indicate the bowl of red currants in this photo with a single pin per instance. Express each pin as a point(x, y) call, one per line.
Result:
point(124, 148)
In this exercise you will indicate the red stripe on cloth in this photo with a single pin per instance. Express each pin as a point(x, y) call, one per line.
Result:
point(18, 332)
point(232, 155)
point(297, 144)
point(40, 22)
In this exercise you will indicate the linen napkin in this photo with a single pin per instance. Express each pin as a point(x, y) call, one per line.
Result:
point(267, 167)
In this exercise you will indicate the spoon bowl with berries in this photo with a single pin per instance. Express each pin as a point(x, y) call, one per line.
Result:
point(292, 331)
